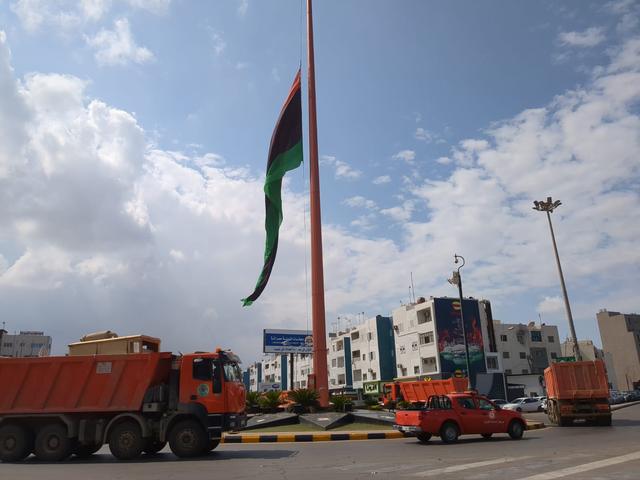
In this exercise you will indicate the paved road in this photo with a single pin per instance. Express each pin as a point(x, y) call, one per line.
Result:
point(568, 453)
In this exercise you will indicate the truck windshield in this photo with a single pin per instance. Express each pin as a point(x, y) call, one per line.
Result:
point(232, 372)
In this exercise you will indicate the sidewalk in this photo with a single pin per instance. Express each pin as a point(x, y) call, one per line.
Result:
point(277, 437)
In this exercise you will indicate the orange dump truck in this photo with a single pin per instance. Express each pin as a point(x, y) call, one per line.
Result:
point(418, 392)
point(578, 390)
point(134, 402)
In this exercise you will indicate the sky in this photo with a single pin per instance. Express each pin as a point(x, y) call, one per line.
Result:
point(134, 137)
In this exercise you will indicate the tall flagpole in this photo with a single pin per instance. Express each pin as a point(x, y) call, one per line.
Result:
point(317, 274)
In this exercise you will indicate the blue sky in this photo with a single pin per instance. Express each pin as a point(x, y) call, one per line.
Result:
point(135, 138)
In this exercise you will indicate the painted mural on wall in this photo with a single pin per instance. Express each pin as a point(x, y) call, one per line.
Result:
point(450, 338)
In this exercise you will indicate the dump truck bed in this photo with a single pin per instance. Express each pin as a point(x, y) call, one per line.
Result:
point(421, 391)
point(100, 383)
point(576, 380)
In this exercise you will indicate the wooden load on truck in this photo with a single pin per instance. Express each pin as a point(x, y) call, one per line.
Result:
point(577, 390)
point(58, 406)
point(418, 392)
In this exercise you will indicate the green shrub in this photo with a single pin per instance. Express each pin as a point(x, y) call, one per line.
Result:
point(305, 397)
point(340, 402)
point(252, 400)
point(375, 407)
point(270, 401)
point(402, 405)
point(371, 401)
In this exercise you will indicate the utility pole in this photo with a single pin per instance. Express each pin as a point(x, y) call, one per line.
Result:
point(549, 206)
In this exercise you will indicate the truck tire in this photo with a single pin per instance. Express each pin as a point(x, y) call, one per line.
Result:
point(52, 443)
point(154, 447)
point(16, 443)
point(449, 432)
point(188, 439)
point(125, 440)
point(423, 437)
point(85, 451)
point(516, 429)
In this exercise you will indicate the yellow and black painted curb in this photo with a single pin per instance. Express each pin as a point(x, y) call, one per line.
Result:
point(535, 425)
point(308, 437)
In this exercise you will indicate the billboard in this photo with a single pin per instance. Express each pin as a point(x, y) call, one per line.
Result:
point(287, 341)
point(451, 341)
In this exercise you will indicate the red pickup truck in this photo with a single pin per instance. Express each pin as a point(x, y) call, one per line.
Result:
point(455, 414)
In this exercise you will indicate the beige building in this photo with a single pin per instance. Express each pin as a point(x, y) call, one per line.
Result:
point(526, 349)
point(590, 352)
point(620, 334)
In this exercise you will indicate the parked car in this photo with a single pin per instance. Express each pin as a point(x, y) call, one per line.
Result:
point(543, 404)
point(615, 397)
point(499, 401)
point(524, 404)
point(455, 414)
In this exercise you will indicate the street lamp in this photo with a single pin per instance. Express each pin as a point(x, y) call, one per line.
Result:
point(456, 279)
point(549, 206)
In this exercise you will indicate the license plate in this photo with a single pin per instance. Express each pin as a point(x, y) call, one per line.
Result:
point(405, 428)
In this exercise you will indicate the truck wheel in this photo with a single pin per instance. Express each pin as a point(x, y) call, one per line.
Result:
point(516, 430)
point(449, 433)
point(154, 447)
point(423, 437)
point(16, 443)
point(52, 443)
point(125, 440)
point(85, 451)
point(188, 439)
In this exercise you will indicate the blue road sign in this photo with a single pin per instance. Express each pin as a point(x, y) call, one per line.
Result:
point(287, 341)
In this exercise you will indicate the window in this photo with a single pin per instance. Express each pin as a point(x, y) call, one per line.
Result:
point(492, 363)
point(416, 369)
point(373, 375)
point(424, 316)
point(507, 371)
point(503, 338)
point(402, 349)
point(369, 336)
point(523, 355)
point(554, 355)
point(506, 355)
point(364, 357)
point(357, 375)
point(372, 355)
point(341, 378)
point(551, 339)
point(339, 346)
point(466, 402)
point(340, 362)
point(485, 404)
point(202, 369)
point(334, 362)
point(426, 338)
point(414, 346)
point(429, 364)
point(355, 335)
point(520, 338)
point(536, 336)
point(356, 355)
point(364, 377)
point(525, 371)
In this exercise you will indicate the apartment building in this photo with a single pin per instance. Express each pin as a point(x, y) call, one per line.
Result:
point(429, 340)
point(25, 344)
point(363, 353)
point(275, 369)
point(527, 349)
point(620, 334)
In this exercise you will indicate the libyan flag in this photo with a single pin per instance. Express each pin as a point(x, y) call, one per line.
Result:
point(285, 153)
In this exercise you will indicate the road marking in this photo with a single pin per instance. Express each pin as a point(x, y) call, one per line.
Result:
point(352, 466)
point(466, 466)
point(585, 468)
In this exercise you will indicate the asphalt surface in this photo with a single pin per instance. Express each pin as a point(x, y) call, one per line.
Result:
point(578, 452)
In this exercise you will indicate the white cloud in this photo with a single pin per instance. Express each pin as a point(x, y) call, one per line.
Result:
point(424, 135)
point(589, 38)
point(401, 213)
point(551, 305)
point(381, 180)
point(242, 65)
point(219, 44)
point(360, 202)
point(407, 156)
point(177, 255)
point(444, 160)
point(117, 46)
point(243, 6)
point(343, 170)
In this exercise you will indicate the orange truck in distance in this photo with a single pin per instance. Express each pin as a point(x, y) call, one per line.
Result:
point(135, 401)
point(578, 391)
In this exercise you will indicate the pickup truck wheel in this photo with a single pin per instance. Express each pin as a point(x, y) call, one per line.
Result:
point(125, 440)
point(85, 451)
point(52, 443)
point(423, 437)
point(449, 433)
point(16, 443)
point(516, 430)
point(188, 439)
point(486, 435)
point(154, 447)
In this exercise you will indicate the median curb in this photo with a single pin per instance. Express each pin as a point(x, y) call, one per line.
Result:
point(535, 425)
point(623, 405)
point(308, 437)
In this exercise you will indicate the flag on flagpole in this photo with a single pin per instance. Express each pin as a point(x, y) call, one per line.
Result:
point(285, 153)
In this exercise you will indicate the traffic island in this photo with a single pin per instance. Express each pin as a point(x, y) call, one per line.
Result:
point(308, 437)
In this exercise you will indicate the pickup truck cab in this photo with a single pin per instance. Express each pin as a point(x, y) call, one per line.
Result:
point(449, 416)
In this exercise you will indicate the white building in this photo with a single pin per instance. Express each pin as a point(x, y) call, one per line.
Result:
point(429, 340)
point(276, 369)
point(527, 349)
point(363, 353)
point(25, 344)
